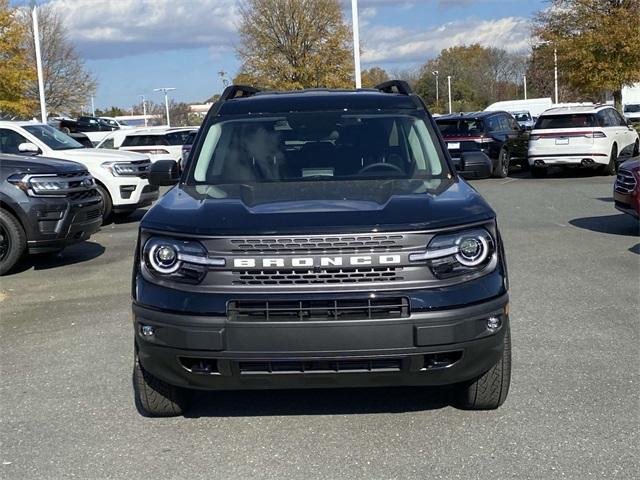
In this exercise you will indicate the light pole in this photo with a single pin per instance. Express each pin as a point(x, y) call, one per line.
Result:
point(555, 71)
point(144, 109)
point(36, 41)
point(524, 81)
point(449, 82)
point(356, 42)
point(166, 100)
point(435, 74)
point(93, 107)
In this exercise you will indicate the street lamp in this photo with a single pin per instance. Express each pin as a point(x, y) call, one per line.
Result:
point(93, 107)
point(555, 71)
point(356, 42)
point(524, 82)
point(144, 109)
point(449, 82)
point(166, 100)
point(435, 74)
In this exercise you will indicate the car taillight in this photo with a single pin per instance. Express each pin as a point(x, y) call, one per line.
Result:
point(599, 135)
point(483, 140)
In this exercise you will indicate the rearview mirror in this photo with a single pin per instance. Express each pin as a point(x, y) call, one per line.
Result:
point(164, 172)
point(28, 147)
point(474, 165)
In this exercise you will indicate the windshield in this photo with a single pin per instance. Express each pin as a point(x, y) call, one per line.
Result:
point(54, 139)
point(318, 146)
point(522, 116)
point(574, 120)
point(632, 108)
point(471, 126)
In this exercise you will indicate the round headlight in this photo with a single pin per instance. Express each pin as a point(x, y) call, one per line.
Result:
point(164, 258)
point(472, 251)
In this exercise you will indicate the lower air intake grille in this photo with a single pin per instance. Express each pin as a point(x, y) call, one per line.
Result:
point(318, 310)
point(321, 366)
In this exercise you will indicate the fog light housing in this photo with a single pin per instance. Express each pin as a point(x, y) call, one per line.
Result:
point(493, 323)
point(147, 330)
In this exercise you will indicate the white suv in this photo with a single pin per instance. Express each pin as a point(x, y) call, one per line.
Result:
point(159, 144)
point(588, 136)
point(121, 177)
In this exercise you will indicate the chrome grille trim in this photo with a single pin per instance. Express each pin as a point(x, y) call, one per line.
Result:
point(625, 182)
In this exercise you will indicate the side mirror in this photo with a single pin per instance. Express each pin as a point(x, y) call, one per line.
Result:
point(474, 165)
point(28, 147)
point(164, 172)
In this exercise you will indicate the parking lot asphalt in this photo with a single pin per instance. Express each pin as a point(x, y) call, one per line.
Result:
point(67, 409)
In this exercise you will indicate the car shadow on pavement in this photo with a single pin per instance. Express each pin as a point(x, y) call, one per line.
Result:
point(80, 252)
point(130, 218)
point(617, 224)
point(346, 401)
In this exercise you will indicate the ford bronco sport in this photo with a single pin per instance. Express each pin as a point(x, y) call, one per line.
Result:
point(319, 238)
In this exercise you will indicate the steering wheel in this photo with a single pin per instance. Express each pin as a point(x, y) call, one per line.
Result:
point(383, 165)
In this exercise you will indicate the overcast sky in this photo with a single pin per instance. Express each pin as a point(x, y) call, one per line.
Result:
point(134, 46)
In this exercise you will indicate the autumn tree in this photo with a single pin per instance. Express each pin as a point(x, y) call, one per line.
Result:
point(293, 44)
point(13, 57)
point(67, 83)
point(598, 42)
point(373, 76)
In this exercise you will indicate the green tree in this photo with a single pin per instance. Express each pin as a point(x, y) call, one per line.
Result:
point(293, 44)
point(13, 57)
point(598, 42)
point(373, 76)
point(67, 83)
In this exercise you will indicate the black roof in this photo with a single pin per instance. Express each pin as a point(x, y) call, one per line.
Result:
point(319, 99)
point(463, 115)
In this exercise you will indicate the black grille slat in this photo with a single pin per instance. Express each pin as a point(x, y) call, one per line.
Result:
point(310, 277)
point(320, 366)
point(318, 310)
point(625, 182)
point(349, 244)
point(83, 195)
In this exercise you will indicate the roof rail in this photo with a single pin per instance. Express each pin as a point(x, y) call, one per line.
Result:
point(400, 87)
point(238, 91)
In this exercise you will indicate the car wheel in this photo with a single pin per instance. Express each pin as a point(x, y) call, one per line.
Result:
point(155, 398)
point(107, 204)
point(489, 390)
point(13, 241)
point(636, 149)
point(612, 167)
point(65, 130)
point(502, 165)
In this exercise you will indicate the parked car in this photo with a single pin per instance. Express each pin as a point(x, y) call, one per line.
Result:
point(495, 133)
point(327, 243)
point(45, 205)
point(594, 136)
point(159, 144)
point(632, 112)
point(626, 190)
point(121, 177)
point(82, 139)
point(186, 148)
point(524, 119)
point(86, 124)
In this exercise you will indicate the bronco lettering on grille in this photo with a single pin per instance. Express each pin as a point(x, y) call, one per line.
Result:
point(311, 262)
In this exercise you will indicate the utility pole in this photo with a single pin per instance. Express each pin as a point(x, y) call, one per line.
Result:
point(449, 82)
point(166, 100)
point(36, 40)
point(356, 42)
point(144, 109)
point(93, 107)
point(555, 71)
point(435, 73)
point(524, 81)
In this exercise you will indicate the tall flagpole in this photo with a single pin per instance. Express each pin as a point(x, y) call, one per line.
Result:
point(36, 39)
point(356, 42)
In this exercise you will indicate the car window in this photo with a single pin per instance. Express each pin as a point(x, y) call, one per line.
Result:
point(108, 143)
point(632, 108)
point(471, 126)
point(512, 124)
point(569, 120)
point(604, 119)
point(318, 146)
point(178, 138)
point(616, 118)
point(505, 123)
point(144, 140)
point(493, 124)
point(10, 140)
point(54, 139)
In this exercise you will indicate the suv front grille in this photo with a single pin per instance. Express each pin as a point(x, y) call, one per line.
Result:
point(318, 310)
point(625, 182)
point(321, 366)
point(84, 195)
point(80, 173)
point(311, 277)
point(333, 243)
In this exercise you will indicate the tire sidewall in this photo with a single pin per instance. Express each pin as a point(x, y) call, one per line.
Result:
point(16, 239)
point(107, 204)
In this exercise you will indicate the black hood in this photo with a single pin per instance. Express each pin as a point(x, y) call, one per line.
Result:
point(11, 164)
point(319, 207)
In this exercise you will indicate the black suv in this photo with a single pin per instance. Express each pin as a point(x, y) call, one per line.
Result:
point(497, 134)
point(318, 238)
point(45, 205)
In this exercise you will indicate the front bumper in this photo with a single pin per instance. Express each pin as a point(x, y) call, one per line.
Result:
point(434, 347)
point(628, 203)
point(57, 223)
point(582, 156)
point(142, 195)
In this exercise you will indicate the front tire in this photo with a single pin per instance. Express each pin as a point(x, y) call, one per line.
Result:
point(636, 149)
point(155, 398)
point(502, 165)
point(13, 241)
point(489, 390)
point(107, 204)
